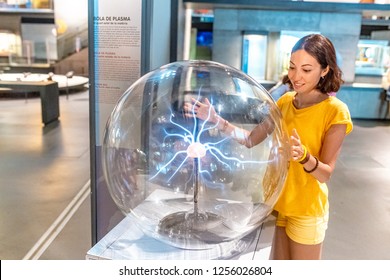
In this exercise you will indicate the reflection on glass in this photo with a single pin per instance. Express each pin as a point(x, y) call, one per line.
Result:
point(43, 39)
point(187, 183)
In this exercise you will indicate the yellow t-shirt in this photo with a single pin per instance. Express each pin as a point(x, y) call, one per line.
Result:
point(303, 195)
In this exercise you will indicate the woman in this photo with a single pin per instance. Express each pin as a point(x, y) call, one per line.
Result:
point(317, 123)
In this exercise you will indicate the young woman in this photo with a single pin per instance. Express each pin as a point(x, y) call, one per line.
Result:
point(317, 123)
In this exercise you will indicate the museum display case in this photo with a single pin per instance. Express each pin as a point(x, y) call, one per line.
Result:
point(28, 35)
point(372, 57)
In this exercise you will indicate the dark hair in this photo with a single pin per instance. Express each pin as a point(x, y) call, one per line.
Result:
point(322, 49)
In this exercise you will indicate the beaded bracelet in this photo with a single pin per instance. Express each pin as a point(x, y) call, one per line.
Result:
point(314, 168)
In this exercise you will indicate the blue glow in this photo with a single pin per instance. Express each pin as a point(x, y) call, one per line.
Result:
point(192, 140)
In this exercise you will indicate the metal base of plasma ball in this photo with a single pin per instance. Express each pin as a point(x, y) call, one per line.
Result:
point(186, 225)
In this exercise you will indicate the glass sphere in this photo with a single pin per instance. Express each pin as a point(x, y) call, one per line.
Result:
point(190, 181)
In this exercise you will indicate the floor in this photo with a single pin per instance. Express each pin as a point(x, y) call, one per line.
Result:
point(42, 170)
point(45, 199)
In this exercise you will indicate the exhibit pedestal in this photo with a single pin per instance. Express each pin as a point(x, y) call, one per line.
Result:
point(48, 92)
point(128, 242)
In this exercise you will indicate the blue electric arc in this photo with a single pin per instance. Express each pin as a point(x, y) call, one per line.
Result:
point(197, 149)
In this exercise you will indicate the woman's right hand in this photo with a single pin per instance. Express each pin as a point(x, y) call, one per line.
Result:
point(203, 111)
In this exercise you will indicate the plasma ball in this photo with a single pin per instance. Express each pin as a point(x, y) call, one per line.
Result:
point(181, 179)
point(196, 150)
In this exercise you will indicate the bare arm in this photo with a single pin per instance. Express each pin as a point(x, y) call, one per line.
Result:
point(205, 111)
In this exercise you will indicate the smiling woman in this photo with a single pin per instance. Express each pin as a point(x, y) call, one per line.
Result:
point(317, 123)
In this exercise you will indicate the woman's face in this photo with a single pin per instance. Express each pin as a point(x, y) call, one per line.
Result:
point(304, 72)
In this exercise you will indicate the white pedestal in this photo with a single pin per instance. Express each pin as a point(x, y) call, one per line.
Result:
point(127, 241)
